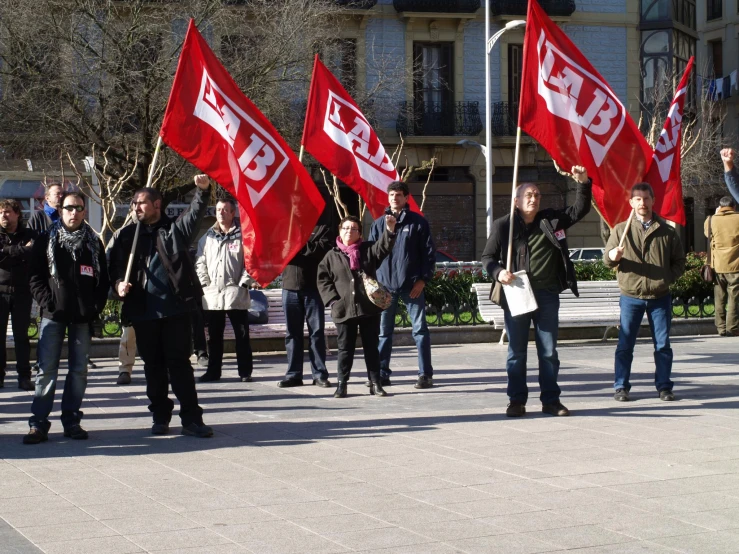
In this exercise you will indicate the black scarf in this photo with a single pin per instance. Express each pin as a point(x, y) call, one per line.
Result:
point(73, 242)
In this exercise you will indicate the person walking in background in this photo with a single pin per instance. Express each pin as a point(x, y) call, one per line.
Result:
point(731, 173)
point(342, 288)
point(302, 302)
point(69, 280)
point(650, 260)
point(162, 291)
point(723, 230)
point(539, 248)
point(405, 273)
point(16, 241)
point(220, 268)
point(42, 219)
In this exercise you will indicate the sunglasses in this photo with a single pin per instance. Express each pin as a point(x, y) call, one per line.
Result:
point(76, 208)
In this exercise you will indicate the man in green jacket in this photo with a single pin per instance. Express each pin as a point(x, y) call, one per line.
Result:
point(650, 259)
point(724, 231)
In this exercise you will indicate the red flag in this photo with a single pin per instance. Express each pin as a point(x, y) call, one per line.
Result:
point(337, 134)
point(572, 112)
point(664, 170)
point(211, 124)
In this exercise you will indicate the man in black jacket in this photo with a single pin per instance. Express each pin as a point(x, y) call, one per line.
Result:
point(41, 220)
point(162, 291)
point(69, 280)
point(302, 302)
point(15, 294)
point(539, 248)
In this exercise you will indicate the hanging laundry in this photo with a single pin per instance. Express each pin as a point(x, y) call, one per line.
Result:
point(733, 80)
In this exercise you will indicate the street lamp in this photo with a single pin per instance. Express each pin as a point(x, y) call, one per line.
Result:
point(489, 43)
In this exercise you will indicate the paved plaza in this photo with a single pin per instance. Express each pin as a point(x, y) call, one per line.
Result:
point(431, 472)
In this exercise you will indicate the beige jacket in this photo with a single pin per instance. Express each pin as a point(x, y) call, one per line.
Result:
point(221, 271)
point(725, 240)
point(652, 260)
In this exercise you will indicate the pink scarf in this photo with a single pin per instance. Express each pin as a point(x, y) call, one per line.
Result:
point(352, 251)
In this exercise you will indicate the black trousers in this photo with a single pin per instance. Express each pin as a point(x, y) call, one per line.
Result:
point(216, 326)
point(164, 346)
point(369, 329)
point(198, 332)
point(17, 305)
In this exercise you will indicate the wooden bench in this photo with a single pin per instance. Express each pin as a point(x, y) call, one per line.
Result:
point(597, 305)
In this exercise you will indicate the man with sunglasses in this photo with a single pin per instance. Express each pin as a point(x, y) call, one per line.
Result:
point(69, 280)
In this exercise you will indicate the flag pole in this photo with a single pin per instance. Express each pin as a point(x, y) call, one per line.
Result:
point(513, 200)
point(154, 160)
point(626, 229)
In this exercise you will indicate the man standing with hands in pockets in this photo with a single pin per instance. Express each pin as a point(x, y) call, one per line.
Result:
point(158, 300)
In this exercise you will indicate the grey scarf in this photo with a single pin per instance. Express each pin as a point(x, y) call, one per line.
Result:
point(73, 242)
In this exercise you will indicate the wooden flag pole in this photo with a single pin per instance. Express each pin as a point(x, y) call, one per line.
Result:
point(509, 260)
point(626, 229)
point(152, 167)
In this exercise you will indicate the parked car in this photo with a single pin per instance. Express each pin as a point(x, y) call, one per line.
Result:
point(586, 254)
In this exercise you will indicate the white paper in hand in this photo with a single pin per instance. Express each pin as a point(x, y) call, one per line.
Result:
point(519, 295)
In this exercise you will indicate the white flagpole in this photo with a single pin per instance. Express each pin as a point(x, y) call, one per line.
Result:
point(509, 267)
point(152, 167)
point(626, 229)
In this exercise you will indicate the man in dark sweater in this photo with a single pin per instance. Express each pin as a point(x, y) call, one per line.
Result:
point(69, 280)
point(302, 302)
point(158, 299)
point(15, 295)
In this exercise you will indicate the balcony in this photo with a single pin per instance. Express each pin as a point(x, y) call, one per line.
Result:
point(505, 119)
point(439, 6)
point(519, 7)
point(357, 4)
point(439, 119)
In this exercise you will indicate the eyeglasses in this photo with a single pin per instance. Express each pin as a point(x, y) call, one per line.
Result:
point(350, 229)
point(76, 208)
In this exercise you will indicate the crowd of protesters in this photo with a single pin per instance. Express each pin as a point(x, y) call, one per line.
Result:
point(60, 262)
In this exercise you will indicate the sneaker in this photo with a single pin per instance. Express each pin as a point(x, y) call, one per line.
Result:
point(516, 409)
point(287, 383)
point(207, 377)
point(666, 395)
point(203, 362)
point(197, 430)
point(35, 436)
point(325, 383)
point(160, 429)
point(424, 382)
point(622, 395)
point(75, 432)
point(124, 378)
point(555, 409)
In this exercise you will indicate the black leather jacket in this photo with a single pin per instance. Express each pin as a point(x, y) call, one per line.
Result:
point(15, 258)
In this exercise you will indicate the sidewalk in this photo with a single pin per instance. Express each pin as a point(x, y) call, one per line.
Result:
point(432, 472)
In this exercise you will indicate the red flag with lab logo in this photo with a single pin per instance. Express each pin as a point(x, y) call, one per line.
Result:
point(568, 107)
point(337, 134)
point(211, 124)
point(664, 170)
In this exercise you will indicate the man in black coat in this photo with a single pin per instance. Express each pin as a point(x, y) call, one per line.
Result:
point(301, 302)
point(158, 299)
point(540, 249)
point(69, 280)
point(15, 294)
point(44, 218)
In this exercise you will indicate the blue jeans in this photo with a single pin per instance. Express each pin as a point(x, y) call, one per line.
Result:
point(546, 328)
point(304, 306)
point(659, 314)
point(51, 338)
point(417, 312)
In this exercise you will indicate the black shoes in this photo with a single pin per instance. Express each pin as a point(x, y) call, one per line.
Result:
point(555, 409)
point(376, 389)
point(203, 362)
point(325, 383)
point(424, 382)
point(340, 390)
point(124, 378)
point(384, 381)
point(2, 379)
point(199, 430)
point(35, 436)
point(75, 432)
point(666, 395)
point(516, 409)
point(27, 384)
point(287, 383)
point(246, 379)
point(160, 429)
point(622, 395)
point(208, 377)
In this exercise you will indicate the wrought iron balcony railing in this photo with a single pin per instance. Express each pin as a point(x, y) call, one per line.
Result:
point(448, 6)
point(439, 119)
point(519, 7)
point(505, 119)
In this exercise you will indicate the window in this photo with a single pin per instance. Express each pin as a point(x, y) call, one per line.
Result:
point(515, 65)
point(716, 58)
point(685, 12)
point(433, 72)
point(655, 10)
point(714, 9)
point(340, 56)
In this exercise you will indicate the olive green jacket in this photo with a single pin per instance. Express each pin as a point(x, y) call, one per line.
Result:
point(652, 260)
point(724, 240)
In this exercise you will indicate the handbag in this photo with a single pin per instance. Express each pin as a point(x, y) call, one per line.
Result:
point(707, 273)
point(376, 293)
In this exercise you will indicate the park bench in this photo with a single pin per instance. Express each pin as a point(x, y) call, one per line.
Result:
point(598, 305)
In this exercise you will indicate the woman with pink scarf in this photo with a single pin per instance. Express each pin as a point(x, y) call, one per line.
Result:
point(342, 288)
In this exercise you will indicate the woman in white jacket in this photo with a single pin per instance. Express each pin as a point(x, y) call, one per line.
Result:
point(220, 268)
